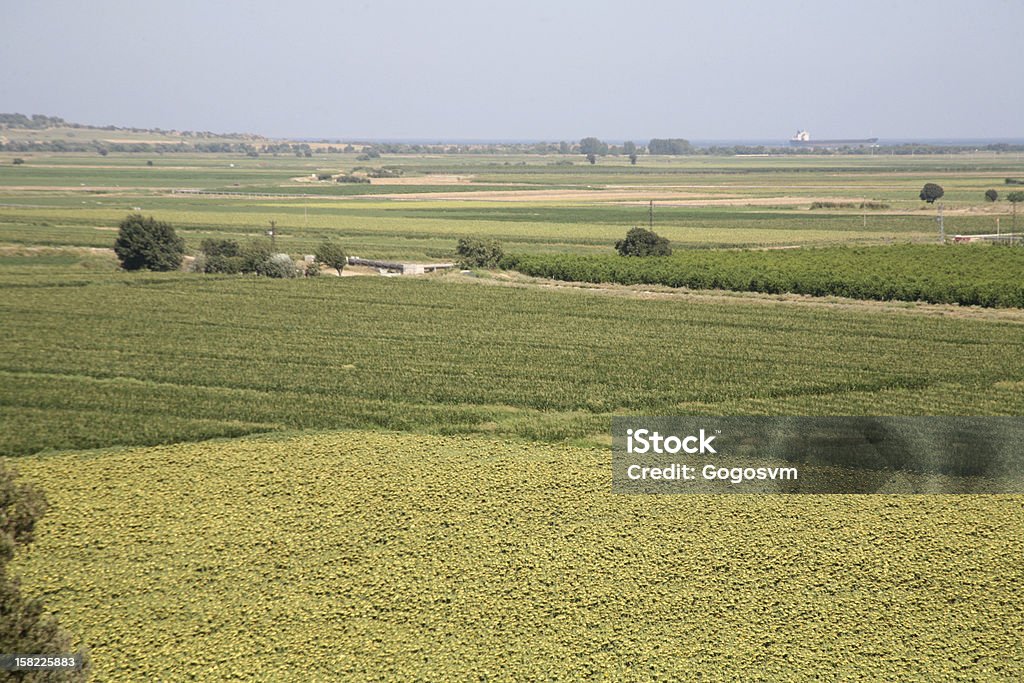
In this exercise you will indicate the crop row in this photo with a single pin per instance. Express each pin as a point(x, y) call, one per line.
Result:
point(971, 276)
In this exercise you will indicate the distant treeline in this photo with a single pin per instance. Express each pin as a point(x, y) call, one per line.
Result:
point(35, 122)
point(254, 145)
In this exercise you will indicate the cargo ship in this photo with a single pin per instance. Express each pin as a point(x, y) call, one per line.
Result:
point(803, 139)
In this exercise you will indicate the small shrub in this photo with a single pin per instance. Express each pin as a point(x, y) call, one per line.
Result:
point(280, 266)
point(227, 265)
point(474, 252)
point(18, 161)
point(385, 173)
point(833, 205)
point(220, 247)
point(991, 195)
point(332, 255)
point(254, 255)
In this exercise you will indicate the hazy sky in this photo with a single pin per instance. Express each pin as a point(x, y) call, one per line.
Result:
point(474, 69)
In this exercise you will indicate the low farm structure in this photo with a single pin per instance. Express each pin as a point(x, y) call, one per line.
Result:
point(398, 268)
point(1010, 237)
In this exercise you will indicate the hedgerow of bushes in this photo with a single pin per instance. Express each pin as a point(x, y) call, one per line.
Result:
point(968, 275)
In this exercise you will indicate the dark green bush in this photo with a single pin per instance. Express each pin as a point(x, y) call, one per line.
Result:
point(643, 242)
point(148, 243)
point(254, 255)
point(229, 265)
point(930, 192)
point(220, 247)
point(474, 252)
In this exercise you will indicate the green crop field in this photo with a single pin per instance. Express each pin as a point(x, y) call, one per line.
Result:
point(370, 478)
point(368, 555)
point(91, 359)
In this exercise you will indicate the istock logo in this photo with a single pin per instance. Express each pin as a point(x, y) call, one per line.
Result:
point(645, 441)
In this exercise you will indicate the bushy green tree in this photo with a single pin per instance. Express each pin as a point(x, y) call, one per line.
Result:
point(593, 146)
point(479, 253)
point(332, 255)
point(148, 243)
point(24, 627)
point(254, 255)
point(930, 192)
point(643, 242)
point(280, 266)
point(221, 256)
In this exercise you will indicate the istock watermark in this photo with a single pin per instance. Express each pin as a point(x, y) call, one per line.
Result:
point(898, 455)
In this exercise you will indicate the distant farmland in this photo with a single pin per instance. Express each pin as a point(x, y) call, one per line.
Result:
point(702, 202)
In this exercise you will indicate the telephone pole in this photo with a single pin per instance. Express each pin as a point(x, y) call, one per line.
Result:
point(650, 216)
point(942, 227)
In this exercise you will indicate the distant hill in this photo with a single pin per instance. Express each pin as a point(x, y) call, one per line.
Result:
point(41, 133)
point(42, 122)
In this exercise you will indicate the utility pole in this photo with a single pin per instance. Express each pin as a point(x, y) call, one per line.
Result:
point(942, 227)
point(650, 215)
